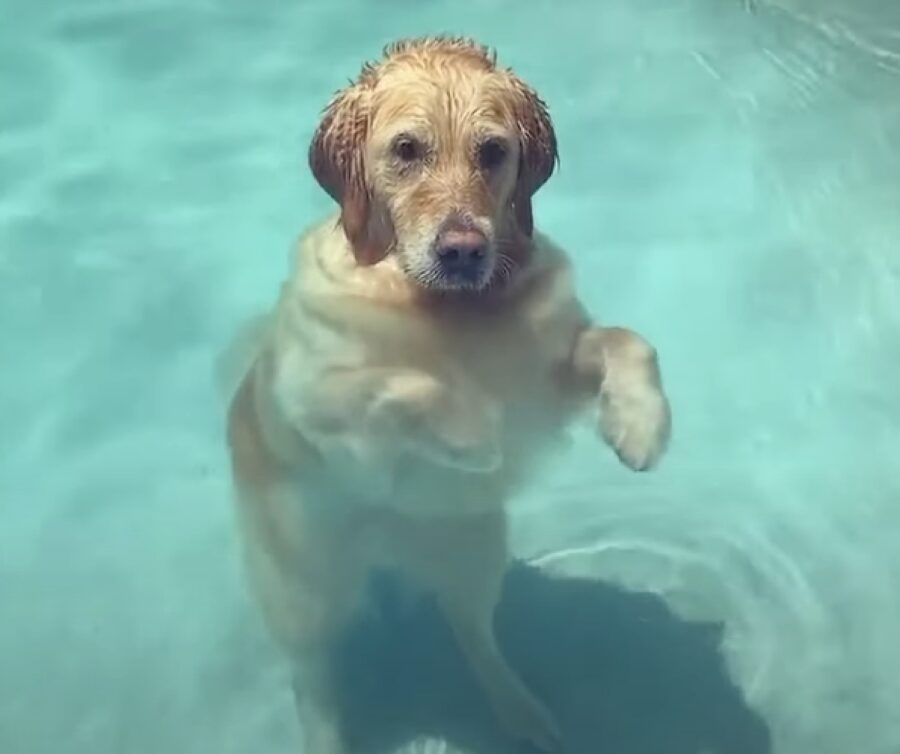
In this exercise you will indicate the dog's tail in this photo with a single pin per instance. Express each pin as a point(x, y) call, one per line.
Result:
point(237, 358)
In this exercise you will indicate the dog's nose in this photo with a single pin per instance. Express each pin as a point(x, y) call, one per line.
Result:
point(462, 253)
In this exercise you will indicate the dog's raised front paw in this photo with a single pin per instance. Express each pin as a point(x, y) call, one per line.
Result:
point(635, 420)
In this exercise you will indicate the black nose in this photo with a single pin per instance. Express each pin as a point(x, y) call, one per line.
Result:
point(462, 253)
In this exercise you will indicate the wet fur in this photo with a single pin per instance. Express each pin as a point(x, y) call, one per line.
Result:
point(384, 421)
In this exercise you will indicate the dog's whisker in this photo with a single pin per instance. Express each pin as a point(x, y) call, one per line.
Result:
point(505, 269)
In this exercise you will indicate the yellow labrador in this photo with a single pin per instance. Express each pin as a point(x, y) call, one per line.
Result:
point(425, 353)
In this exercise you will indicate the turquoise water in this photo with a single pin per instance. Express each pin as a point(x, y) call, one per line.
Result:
point(729, 186)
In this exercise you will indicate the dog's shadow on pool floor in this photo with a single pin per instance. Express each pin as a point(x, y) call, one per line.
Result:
point(621, 673)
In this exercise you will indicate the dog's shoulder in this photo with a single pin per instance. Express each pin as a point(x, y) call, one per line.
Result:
point(325, 267)
point(332, 310)
point(547, 284)
point(327, 288)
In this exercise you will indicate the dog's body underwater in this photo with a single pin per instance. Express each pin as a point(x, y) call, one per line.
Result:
point(425, 354)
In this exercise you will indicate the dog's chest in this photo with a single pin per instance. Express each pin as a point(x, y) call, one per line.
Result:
point(507, 356)
point(517, 356)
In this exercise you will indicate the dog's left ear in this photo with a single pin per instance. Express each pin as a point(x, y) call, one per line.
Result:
point(337, 160)
point(538, 152)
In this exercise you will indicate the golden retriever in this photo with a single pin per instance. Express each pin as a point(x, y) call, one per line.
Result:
point(426, 352)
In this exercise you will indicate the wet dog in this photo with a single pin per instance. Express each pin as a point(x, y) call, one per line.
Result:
point(425, 354)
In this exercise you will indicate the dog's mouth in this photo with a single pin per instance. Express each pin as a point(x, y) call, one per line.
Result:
point(451, 272)
point(460, 257)
point(462, 269)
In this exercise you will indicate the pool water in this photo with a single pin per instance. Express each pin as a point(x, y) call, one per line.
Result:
point(729, 186)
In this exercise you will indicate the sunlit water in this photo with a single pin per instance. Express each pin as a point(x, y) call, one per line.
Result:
point(730, 186)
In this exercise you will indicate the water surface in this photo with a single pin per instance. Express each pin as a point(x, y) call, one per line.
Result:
point(729, 185)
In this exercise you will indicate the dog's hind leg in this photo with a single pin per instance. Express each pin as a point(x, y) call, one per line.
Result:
point(463, 559)
point(307, 595)
point(303, 573)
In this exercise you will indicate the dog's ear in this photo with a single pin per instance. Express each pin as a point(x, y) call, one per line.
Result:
point(337, 160)
point(538, 153)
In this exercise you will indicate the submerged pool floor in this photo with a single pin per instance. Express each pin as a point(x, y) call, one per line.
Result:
point(729, 186)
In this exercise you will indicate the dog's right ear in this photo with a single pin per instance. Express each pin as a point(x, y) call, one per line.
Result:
point(337, 160)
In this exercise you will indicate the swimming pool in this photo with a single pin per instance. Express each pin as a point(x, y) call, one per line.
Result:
point(729, 186)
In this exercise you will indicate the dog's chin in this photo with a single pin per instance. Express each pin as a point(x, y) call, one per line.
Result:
point(433, 279)
point(452, 285)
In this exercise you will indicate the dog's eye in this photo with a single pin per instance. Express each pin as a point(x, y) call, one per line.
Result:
point(407, 149)
point(491, 154)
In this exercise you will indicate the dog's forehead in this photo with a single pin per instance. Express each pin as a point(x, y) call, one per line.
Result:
point(424, 94)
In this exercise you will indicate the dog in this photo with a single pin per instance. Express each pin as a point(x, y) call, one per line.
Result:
point(426, 353)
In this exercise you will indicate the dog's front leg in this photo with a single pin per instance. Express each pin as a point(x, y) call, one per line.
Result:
point(377, 413)
point(622, 368)
point(452, 428)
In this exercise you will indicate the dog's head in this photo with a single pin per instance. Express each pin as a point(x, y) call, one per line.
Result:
point(434, 154)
